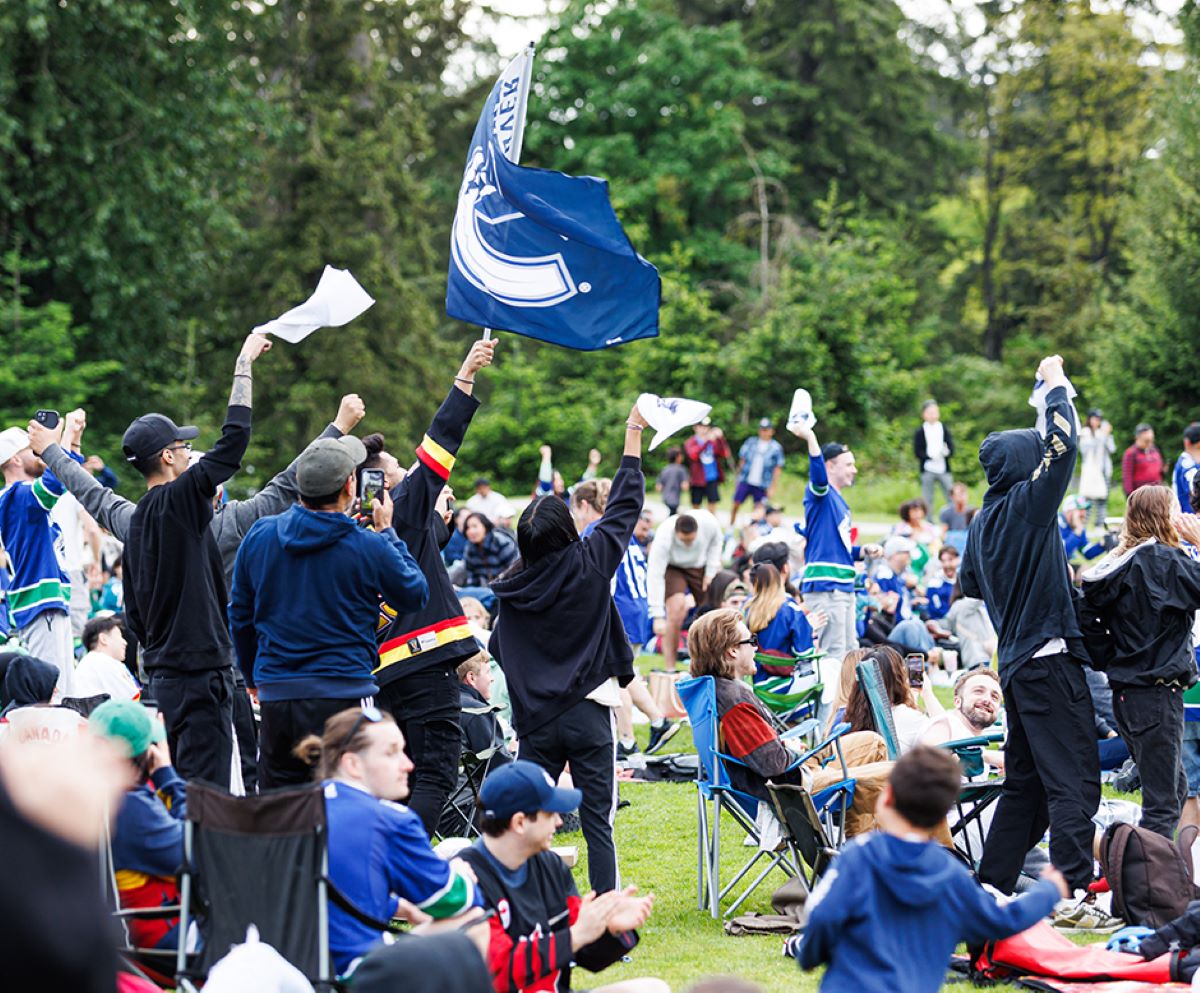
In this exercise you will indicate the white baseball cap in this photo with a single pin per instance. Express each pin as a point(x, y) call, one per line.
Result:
point(12, 440)
point(897, 543)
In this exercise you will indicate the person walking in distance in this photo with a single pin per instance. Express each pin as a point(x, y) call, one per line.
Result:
point(1015, 562)
point(828, 580)
point(175, 593)
point(1142, 464)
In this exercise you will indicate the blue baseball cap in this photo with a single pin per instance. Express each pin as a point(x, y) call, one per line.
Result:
point(524, 786)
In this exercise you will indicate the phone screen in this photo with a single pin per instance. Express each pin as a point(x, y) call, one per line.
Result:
point(916, 669)
point(372, 486)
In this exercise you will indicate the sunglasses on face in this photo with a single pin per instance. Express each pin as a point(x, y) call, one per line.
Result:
point(371, 715)
point(752, 640)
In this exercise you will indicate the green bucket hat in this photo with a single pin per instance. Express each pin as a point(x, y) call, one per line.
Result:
point(129, 723)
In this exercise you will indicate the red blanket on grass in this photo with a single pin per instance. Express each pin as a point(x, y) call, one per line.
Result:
point(1043, 951)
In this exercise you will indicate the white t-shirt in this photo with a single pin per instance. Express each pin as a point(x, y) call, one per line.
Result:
point(98, 673)
point(910, 725)
point(493, 506)
point(935, 447)
point(755, 476)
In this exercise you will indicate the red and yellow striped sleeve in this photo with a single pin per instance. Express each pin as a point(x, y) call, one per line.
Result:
point(435, 457)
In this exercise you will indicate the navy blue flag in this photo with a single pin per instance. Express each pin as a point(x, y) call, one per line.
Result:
point(540, 253)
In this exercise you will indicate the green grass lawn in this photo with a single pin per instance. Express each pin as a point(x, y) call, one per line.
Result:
point(656, 845)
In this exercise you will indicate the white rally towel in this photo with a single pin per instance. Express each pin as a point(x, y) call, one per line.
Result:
point(338, 300)
point(255, 967)
point(1037, 400)
point(668, 414)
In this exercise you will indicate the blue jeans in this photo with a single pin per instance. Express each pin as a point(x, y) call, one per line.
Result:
point(913, 635)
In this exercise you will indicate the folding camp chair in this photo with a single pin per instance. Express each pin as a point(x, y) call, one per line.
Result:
point(257, 860)
point(460, 816)
point(715, 790)
point(804, 830)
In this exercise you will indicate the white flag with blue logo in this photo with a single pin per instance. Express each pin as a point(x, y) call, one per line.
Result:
point(537, 252)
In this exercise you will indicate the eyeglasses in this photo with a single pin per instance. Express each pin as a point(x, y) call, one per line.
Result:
point(752, 640)
point(186, 446)
point(370, 714)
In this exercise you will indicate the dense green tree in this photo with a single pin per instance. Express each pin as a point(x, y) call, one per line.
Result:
point(123, 132)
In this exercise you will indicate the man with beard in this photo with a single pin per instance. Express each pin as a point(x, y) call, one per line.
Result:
point(977, 700)
point(39, 595)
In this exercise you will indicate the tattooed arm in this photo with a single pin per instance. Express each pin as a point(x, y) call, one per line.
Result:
point(255, 344)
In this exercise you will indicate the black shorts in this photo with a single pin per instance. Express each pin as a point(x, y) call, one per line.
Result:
point(710, 491)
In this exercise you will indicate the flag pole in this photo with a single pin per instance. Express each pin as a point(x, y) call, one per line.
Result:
point(519, 127)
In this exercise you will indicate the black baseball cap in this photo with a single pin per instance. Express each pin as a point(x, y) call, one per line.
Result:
point(151, 433)
point(774, 552)
point(524, 786)
point(832, 449)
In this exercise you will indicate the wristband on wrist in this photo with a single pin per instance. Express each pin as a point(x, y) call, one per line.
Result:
point(460, 379)
point(630, 426)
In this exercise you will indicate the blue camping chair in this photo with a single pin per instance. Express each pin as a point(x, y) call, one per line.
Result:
point(715, 790)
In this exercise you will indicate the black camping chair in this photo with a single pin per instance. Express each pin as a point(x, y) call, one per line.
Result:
point(257, 860)
point(804, 831)
point(460, 815)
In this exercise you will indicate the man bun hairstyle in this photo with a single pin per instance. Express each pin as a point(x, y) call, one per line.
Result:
point(925, 785)
point(686, 524)
point(374, 444)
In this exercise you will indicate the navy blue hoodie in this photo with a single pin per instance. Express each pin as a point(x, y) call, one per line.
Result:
point(1015, 561)
point(889, 912)
point(306, 589)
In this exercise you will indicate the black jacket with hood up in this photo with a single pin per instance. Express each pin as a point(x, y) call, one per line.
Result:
point(1147, 597)
point(558, 635)
point(1015, 561)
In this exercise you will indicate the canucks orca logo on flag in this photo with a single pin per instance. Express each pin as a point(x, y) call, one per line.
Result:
point(540, 253)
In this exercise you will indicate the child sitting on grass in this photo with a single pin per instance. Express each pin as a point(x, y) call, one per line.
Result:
point(891, 908)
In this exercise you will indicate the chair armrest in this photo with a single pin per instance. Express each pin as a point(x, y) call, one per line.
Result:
point(976, 742)
point(825, 742)
point(801, 729)
point(149, 914)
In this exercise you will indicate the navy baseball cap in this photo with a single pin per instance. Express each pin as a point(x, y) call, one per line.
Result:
point(832, 449)
point(151, 433)
point(524, 786)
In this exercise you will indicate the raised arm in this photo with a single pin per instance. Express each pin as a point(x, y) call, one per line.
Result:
point(606, 545)
point(221, 461)
point(415, 499)
point(1049, 482)
point(281, 492)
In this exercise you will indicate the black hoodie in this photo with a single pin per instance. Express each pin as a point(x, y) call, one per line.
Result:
point(1015, 561)
point(27, 682)
point(1148, 597)
point(558, 635)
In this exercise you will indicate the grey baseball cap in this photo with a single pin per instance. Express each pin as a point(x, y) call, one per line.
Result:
point(326, 464)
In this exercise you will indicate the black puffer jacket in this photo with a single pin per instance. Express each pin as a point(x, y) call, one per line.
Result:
point(1015, 561)
point(1147, 597)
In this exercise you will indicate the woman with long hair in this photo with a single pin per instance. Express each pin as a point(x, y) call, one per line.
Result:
point(906, 713)
point(1146, 594)
point(783, 631)
point(847, 679)
point(561, 642)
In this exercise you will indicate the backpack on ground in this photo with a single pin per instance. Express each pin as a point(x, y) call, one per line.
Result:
point(1150, 876)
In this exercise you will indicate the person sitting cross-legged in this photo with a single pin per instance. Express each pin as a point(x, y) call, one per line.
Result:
point(379, 854)
point(888, 912)
point(542, 926)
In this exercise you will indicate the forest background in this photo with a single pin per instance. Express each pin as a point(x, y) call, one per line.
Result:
point(836, 197)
